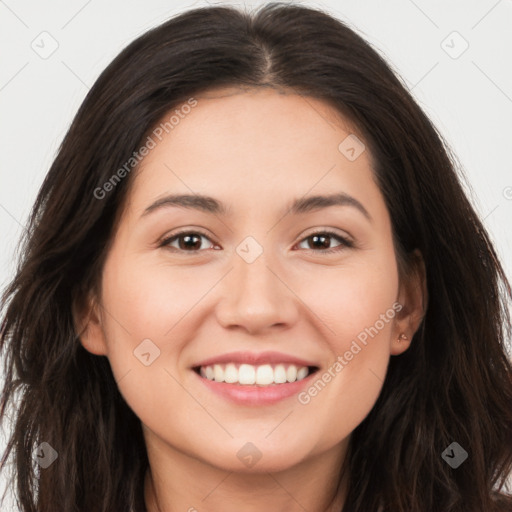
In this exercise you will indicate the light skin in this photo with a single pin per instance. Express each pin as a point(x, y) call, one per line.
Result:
point(255, 151)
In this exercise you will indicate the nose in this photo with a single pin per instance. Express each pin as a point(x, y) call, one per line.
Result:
point(257, 297)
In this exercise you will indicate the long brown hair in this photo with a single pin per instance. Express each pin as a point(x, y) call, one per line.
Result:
point(452, 385)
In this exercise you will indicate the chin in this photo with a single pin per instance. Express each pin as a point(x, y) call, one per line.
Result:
point(256, 458)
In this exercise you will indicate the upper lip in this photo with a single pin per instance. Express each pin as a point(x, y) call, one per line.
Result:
point(255, 359)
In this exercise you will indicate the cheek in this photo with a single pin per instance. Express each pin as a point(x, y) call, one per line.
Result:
point(356, 308)
point(149, 300)
point(350, 299)
point(151, 315)
point(141, 320)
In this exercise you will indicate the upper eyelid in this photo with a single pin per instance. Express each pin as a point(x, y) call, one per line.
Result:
point(331, 231)
point(344, 238)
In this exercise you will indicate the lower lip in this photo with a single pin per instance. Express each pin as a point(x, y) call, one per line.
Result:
point(256, 395)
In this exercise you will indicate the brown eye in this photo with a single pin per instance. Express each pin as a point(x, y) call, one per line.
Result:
point(187, 241)
point(191, 241)
point(320, 242)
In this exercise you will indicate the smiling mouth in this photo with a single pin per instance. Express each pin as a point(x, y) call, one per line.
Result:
point(259, 375)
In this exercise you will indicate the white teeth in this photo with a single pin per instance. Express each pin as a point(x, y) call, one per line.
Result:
point(279, 374)
point(231, 373)
point(302, 373)
point(247, 374)
point(291, 373)
point(264, 375)
point(218, 373)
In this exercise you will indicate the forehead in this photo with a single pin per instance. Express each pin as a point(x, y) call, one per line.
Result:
point(254, 145)
point(248, 121)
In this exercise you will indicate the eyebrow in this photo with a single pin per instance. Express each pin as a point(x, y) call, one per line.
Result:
point(211, 205)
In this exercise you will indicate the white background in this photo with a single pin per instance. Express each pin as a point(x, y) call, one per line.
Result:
point(469, 98)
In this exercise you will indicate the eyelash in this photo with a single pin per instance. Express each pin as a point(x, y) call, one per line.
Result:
point(345, 243)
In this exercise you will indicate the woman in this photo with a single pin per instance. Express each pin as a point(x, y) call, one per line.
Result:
point(181, 332)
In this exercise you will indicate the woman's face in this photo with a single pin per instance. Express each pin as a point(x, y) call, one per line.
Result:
point(250, 282)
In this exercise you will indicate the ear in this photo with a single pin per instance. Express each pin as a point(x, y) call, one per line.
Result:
point(88, 324)
point(413, 297)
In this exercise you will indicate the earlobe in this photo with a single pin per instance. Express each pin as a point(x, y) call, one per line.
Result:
point(400, 344)
point(88, 326)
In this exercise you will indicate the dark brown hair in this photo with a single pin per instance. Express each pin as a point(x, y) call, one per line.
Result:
point(452, 384)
